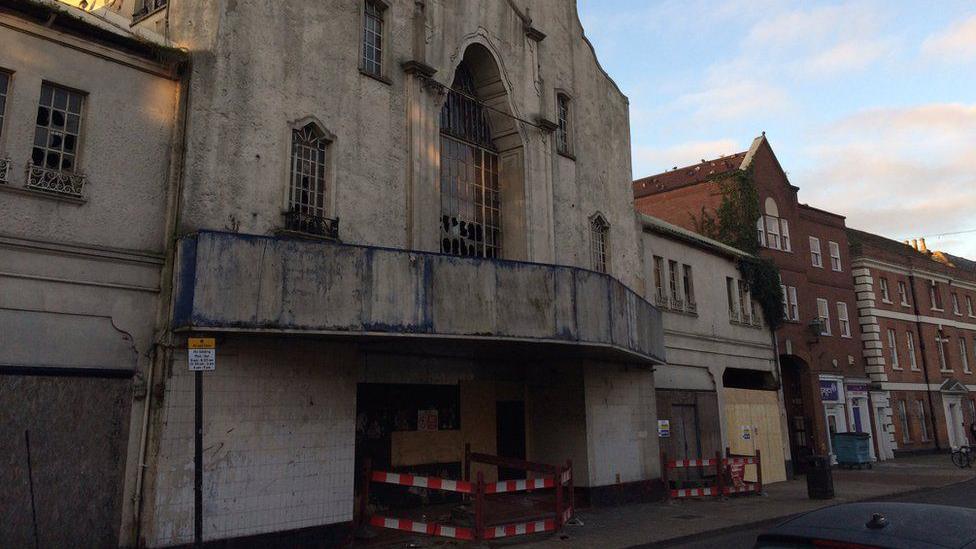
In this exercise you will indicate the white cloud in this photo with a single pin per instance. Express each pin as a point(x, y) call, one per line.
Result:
point(848, 56)
point(734, 99)
point(898, 172)
point(957, 42)
point(650, 160)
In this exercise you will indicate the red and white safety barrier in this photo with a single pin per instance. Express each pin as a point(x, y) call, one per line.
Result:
point(520, 529)
point(693, 492)
point(691, 463)
point(519, 485)
point(428, 528)
point(433, 483)
point(741, 461)
point(748, 487)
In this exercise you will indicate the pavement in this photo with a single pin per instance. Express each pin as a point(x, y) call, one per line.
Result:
point(735, 521)
point(685, 521)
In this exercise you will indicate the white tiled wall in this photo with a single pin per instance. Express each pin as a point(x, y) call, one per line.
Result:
point(621, 429)
point(279, 442)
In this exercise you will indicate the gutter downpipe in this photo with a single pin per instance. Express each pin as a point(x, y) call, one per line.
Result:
point(925, 364)
point(161, 348)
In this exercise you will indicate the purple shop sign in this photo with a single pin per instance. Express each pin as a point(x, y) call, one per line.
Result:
point(857, 390)
point(829, 390)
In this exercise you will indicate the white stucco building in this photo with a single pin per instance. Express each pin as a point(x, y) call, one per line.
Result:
point(388, 209)
point(720, 387)
point(88, 116)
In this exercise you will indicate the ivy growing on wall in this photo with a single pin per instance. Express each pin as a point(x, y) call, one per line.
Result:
point(734, 223)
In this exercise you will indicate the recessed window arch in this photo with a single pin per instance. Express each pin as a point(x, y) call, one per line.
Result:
point(599, 243)
point(470, 194)
point(773, 231)
point(309, 179)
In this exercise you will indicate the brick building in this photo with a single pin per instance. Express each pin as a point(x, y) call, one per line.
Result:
point(824, 380)
point(917, 309)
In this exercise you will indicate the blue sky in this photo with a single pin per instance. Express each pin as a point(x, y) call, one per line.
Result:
point(869, 105)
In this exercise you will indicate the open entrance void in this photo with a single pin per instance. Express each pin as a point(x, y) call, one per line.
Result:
point(799, 410)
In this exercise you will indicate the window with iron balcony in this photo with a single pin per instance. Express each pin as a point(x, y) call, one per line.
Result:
point(53, 166)
point(4, 161)
point(307, 191)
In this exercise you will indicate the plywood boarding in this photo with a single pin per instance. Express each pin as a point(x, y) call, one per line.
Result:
point(422, 447)
point(757, 413)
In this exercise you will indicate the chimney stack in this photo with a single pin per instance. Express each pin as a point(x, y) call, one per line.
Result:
point(915, 244)
point(921, 245)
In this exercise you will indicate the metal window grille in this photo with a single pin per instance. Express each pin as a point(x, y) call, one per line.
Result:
point(373, 39)
point(470, 194)
point(57, 134)
point(562, 134)
point(308, 172)
point(151, 5)
point(599, 244)
point(4, 83)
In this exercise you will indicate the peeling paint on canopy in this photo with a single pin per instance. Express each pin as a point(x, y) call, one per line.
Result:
point(236, 282)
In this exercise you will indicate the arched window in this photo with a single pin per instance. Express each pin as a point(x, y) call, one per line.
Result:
point(307, 193)
point(599, 244)
point(774, 231)
point(470, 199)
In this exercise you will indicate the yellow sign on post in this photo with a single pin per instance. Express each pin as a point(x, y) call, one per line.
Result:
point(202, 353)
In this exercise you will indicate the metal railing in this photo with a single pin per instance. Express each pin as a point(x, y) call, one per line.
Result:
point(55, 181)
point(305, 223)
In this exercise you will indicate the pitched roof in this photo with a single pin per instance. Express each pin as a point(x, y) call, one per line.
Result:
point(858, 238)
point(689, 175)
point(663, 227)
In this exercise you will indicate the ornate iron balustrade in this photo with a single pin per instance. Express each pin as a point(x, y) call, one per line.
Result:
point(4, 170)
point(691, 307)
point(677, 304)
point(734, 316)
point(55, 181)
point(300, 222)
point(660, 299)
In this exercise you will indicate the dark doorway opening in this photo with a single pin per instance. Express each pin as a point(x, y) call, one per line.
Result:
point(798, 416)
point(510, 435)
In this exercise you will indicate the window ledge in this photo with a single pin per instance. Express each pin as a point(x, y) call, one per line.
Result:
point(377, 77)
point(887, 301)
point(43, 194)
point(567, 154)
point(938, 309)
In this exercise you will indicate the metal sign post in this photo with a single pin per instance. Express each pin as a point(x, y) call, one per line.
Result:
point(201, 356)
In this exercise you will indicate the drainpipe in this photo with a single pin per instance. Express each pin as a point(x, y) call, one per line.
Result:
point(161, 352)
point(925, 364)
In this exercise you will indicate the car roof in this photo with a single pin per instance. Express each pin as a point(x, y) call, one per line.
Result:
point(914, 525)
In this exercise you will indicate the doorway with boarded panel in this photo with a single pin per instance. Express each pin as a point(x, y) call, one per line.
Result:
point(753, 423)
point(695, 430)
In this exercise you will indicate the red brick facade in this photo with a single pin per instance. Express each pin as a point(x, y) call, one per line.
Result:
point(824, 378)
point(936, 391)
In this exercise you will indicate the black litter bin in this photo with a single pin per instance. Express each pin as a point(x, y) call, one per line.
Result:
point(820, 478)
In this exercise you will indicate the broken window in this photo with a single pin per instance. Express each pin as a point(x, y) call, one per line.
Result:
point(599, 243)
point(470, 197)
point(58, 128)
